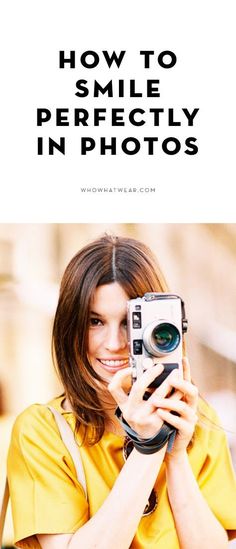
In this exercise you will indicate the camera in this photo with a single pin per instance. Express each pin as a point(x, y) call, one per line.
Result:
point(156, 323)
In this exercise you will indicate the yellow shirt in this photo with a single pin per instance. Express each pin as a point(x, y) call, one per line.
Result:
point(6, 423)
point(46, 496)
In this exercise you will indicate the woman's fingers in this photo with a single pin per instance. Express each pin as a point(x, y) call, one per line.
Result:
point(179, 406)
point(166, 386)
point(184, 422)
point(186, 369)
point(135, 397)
point(116, 385)
point(185, 388)
point(140, 386)
point(189, 391)
point(185, 393)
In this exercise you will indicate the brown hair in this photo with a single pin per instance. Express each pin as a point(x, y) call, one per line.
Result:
point(105, 260)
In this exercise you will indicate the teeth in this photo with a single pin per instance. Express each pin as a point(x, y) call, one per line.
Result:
point(114, 362)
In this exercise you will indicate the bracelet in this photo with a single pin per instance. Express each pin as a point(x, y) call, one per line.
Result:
point(150, 445)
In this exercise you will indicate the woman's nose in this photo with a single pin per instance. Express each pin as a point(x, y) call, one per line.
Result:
point(116, 339)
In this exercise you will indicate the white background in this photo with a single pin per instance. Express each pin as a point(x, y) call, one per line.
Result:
point(42, 189)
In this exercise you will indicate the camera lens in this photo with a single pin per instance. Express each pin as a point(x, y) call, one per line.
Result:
point(165, 337)
point(161, 338)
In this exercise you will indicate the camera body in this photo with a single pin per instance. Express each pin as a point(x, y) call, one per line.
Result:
point(156, 323)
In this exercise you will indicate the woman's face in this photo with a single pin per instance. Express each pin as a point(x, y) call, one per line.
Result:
point(107, 336)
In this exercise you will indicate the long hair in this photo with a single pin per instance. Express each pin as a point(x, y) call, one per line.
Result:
point(105, 260)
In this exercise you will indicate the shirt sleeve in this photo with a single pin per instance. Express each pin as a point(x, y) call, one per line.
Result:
point(217, 479)
point(46, 497)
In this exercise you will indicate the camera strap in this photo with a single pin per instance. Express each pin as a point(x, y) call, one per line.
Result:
point(68, 438)
point(150, 445)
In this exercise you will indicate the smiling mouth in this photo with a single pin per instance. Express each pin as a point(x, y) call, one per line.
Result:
point(113, 365)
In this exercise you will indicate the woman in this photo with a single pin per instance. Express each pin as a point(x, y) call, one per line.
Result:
point(194, 496)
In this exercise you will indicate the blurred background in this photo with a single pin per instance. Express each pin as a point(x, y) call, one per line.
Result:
point(199, 263)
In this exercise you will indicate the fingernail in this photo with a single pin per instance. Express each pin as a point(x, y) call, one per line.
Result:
point(160, 365)
point(147, 363)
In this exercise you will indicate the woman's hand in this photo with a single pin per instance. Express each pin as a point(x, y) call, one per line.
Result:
point(185, 408)
point(141, 414)
point(146, 417)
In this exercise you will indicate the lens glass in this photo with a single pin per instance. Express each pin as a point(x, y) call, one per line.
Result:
point(166, 337)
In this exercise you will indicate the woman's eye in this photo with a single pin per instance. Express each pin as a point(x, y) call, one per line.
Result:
point(95, 322)
point(124, 322)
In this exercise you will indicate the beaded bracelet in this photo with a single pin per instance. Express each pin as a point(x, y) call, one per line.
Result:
point(150, 445)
